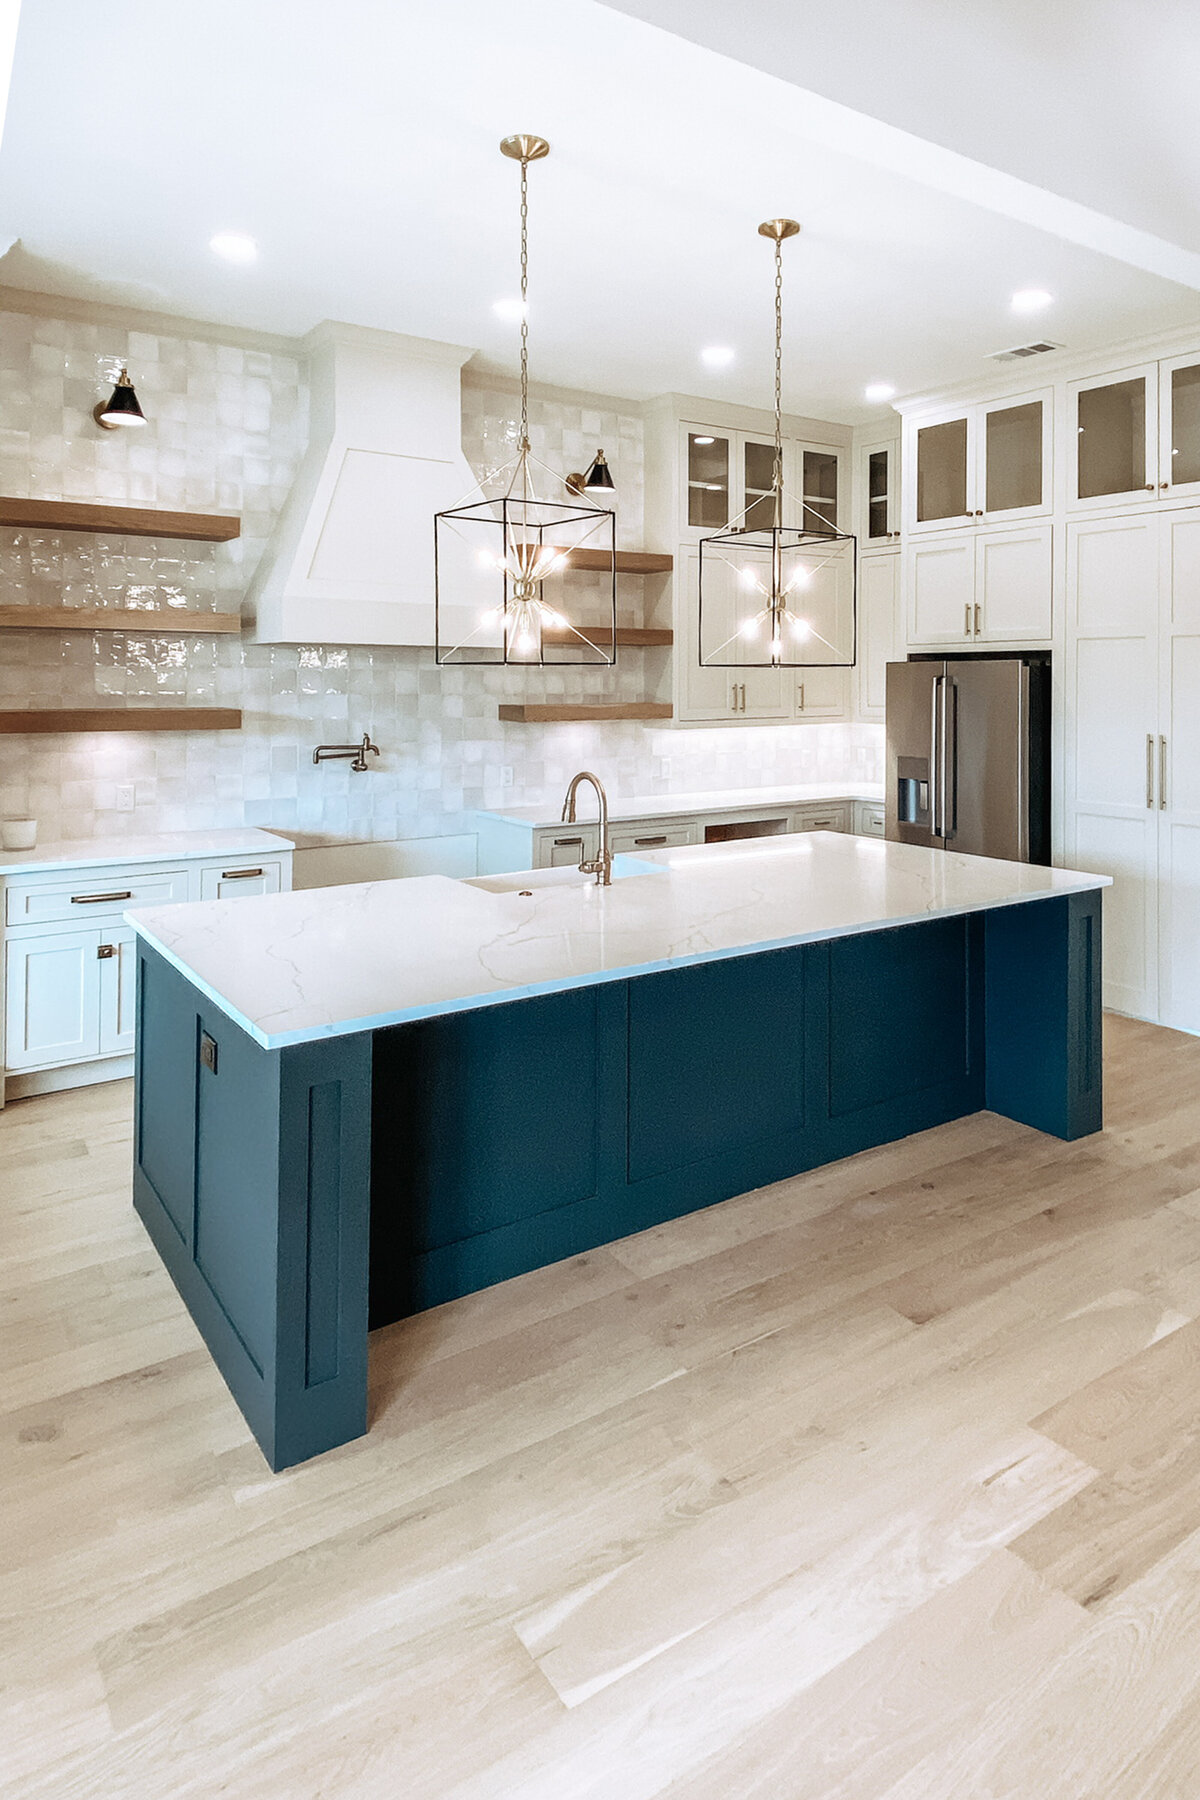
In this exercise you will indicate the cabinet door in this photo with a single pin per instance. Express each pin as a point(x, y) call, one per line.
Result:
point(880, 640)
point(942, 458)
point(879, 496)
point(734, 688)
point(566, 848)
point(1179, 435)
point(52, 999)
point(940, 576)
point(1110, 742)
point(1114, 428)
point(821, 487)
point(239, 881)
point(822, 693)
point(708, 460)
point(1178, 773)
point(653, 834)
point(1013, 586)
point(1015, 441)
point(118, 990)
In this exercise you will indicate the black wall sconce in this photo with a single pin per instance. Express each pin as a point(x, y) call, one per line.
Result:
point(122, 409)
point(597, 479)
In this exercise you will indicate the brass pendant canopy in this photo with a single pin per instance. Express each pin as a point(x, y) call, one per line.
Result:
point(779, 595)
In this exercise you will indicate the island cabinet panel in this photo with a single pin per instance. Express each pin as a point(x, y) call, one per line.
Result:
point(252, 1177)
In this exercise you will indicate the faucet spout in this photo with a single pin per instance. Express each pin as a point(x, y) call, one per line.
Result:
point(601, 864)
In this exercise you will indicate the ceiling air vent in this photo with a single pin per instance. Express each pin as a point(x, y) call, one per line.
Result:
point(1020, 351)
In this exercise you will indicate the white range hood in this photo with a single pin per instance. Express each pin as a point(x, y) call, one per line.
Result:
point(351, 559)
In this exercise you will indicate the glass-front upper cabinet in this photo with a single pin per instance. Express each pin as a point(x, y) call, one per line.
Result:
point(1113, 422)
point(1179, 438)
point(987, 463)
point(708, 480)
point(879, 496)
point(820, 472)
point(758, 484)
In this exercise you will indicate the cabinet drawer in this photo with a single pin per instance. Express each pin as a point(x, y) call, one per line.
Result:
point(234, 880)
point(822, 818)
point(627, 840)
point(870, 821)
point(87, 898)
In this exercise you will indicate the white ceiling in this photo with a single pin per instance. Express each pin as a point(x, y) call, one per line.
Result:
point(360, 148)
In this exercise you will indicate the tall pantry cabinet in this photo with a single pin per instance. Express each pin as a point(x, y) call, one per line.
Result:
point(1132, 749)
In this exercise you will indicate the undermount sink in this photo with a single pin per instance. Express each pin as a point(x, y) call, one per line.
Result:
point(529, 880)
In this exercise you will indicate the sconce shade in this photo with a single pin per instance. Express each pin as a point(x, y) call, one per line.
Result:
point(122, 409)
point(600, 475)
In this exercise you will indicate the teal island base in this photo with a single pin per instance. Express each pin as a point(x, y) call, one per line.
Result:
point(299, 1196)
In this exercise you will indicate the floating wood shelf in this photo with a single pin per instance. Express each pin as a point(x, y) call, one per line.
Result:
point(160, 623)
point(129, 521)
point(564, 712)
point(636, 636)
point(629, 562)
point(123, 718)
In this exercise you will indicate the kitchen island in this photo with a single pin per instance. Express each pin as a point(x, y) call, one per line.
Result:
point(357, 1102)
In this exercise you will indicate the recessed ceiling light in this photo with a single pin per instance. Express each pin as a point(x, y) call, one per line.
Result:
point(717, 356)
point(1031, 300)
point(511, 311)
point(234, 246)
point(878, 390)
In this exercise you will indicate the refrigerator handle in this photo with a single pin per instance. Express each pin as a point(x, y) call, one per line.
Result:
point(949, 770)
point(936, 723)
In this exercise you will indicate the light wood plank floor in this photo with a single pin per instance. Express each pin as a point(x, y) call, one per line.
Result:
point(880, 1484)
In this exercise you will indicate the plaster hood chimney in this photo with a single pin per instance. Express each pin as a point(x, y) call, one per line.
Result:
point(351, 558)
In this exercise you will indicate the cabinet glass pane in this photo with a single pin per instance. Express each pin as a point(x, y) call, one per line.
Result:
point(942, 470)
point(877, 493)
point(820, 490)
point(708, 479)
point(1185, 424)
point(1112, 438)
point(1013, 446)
point(758, 471)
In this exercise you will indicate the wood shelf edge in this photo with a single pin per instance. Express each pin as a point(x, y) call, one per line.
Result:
point(128, 521)
point(642, 637)
point(629, 562)
point(118, 618)
point(113, 718)
point(564, 713)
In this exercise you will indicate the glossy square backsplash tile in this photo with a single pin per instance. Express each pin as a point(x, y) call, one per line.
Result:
point(226, 433)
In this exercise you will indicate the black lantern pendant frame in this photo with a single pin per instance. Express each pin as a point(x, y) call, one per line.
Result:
point(780, 562)
point(504, 548)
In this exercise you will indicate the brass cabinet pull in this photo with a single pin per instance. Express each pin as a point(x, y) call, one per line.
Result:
point(1162, 772)
point(104, 951)
point(648, 843)
point(239, 874)
point(100, 899)
point(1149, 770)
point(978, 626)
point(967, 619)
point(567, 843)
point(743, 696)
point(800, 699)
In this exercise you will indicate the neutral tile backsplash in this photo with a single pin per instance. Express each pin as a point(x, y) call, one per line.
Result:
point(226, 433)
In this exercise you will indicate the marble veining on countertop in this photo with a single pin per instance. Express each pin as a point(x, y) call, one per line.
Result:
point(324, 962)
point(166, 846)
point(668, 806)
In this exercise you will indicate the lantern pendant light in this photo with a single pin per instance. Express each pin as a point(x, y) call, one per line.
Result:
point(780, 595)
point(503, 560)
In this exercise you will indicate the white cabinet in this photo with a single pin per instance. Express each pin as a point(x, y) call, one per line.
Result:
point(1133, 751)
point(70, 961)
point(880, 631)
point(734, 691)
point(1136, 435)
point(51, 998)
point(987, 587)
point(878, 508)
point(990, 462)
point(828, 815)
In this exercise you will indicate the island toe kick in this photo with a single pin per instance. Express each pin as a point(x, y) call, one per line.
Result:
point(300, 1195)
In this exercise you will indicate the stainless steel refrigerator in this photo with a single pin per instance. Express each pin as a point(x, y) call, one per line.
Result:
point(968, 750)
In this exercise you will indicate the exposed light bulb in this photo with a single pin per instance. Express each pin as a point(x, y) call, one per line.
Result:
point(750, 629)
point(525, 642)
point(801, 629)
point(747, 578)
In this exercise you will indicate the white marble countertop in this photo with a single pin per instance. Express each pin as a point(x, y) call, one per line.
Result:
point(324, 962)
point(709, 800)
point(167, 846)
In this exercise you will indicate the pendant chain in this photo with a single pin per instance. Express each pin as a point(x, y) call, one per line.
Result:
point(524, 305)
point(778, 382)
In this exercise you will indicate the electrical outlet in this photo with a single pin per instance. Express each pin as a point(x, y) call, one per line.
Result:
point(125, 799)
point(506, 775)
